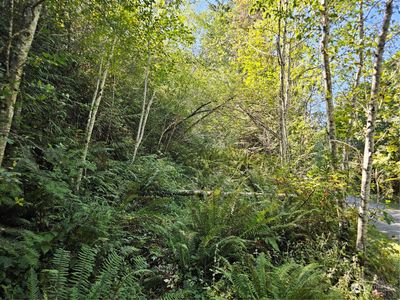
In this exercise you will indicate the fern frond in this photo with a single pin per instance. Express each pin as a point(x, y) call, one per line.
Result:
point(140, 263)
point(33, 285)
point(243, 286)
point(104, 282)
point(307, 282)
point(82, 271)
point(129, 288)
point(58, 276)
point(175, 295)
point(259, 275)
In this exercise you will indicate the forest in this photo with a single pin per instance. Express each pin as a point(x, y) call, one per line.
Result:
point(199, 149)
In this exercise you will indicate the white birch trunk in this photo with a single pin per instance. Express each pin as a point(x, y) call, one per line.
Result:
point(145, 111)
point(369, 134)
point(96, 100)
point(356, 85)
point(146, 116)
point(15, 71)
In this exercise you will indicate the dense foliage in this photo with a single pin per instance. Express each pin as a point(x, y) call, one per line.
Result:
point(208, 172)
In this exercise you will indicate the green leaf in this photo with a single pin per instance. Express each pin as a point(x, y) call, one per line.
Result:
point(273, 243)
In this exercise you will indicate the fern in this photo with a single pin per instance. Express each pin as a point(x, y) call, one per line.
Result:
point(141, 266)
point(244, 286)
point(306, 282)
point(129, 287)
point(82, 271)
point(104, 281)
point(259, 274)
point(260, 280)
point(33, 285)
point(175, 295)
point(58, 277)
point(114, 280)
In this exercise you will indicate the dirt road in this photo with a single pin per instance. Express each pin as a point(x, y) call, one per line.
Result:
point(377, 211)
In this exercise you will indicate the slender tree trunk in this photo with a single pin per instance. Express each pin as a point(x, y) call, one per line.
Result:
point(356, 85)
point(287, 96)
point(377, 186)
point(288, 74)
point(15, 68)
point(369, 134)
point(328, 83)
point(100, 77)
point(143, 112)
point(146, 116)
point(96, 100)
point(146, 106)
point(10, 37)
point(283, 82)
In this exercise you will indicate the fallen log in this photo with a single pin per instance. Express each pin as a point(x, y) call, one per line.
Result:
point(205, 193)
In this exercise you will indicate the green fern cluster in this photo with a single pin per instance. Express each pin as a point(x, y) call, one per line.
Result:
point(114, 280)
point(259, 279)
point(224, 226)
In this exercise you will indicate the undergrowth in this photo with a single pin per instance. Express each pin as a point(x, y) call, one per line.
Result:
point(113, 241)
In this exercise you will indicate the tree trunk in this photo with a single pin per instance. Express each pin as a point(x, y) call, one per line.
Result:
point(140, 132)
point(96, 100)
point(283, 82)
point(145, 111)
point(146, 115)
point(15, 68)
point(356, 85)
point(377, 186)
point(10, 37)
point(369, 134)
point(328, 83)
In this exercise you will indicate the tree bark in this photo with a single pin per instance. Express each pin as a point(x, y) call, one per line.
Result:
point(96, 100)
point(146, 105)
point(369, 134)
point(283, 82)
point(146, 115)
point(356, 85)
point(10, 37)
point(15, 68)
point(328, 83)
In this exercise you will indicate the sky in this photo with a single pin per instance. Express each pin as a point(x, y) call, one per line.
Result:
point(375, 18)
